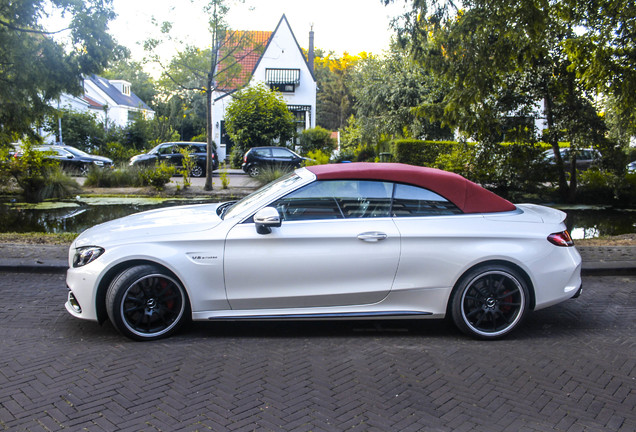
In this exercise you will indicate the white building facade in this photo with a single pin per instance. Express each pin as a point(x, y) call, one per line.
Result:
point(112, 102)
point(282, 66)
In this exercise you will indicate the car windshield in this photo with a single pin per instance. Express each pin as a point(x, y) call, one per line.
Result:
point(76, 152)
point(270, 189)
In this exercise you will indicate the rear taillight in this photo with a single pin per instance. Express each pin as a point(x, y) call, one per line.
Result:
point(245, 158)
point(561, 239)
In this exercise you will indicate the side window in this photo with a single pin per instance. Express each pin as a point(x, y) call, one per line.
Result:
point(364, 198)
point(167, 149)
point(262, 152)
point(337, 199)
point(312, 202)
point(281, 153)
point(411, 201)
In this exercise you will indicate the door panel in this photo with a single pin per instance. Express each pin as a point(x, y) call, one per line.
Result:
point(311, 263)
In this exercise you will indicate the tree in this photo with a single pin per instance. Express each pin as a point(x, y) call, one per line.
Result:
point(258, 116)
point(603, 52)
point(206, 71)
point(37, 63)
point(501, 57)
point(335, 99)
point(80, 129)
point(387, 90)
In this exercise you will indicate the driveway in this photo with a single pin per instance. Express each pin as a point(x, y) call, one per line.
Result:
point(571, 367)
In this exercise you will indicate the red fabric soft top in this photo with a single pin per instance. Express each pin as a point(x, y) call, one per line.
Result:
point(468, 196)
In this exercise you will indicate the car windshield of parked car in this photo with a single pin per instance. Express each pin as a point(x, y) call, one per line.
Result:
point(271, 189)
point(76, 152)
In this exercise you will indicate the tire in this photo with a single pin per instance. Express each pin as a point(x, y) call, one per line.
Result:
point(254, 171)
point(490, 301)
point(83, 170)
point(197, 171)
point(145, 303)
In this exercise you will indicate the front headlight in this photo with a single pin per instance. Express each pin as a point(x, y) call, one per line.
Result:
point(98, 163)
point(85, 255)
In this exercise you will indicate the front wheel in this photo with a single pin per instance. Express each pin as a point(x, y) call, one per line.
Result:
point(490, 301)
point(145, 302)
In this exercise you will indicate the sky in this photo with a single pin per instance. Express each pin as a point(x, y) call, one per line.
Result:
point(340, 26)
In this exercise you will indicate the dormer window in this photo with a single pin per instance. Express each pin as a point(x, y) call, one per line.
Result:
point(122, 86)
point(282, 80)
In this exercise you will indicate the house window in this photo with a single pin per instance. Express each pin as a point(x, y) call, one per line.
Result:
point(134, 115)
point(282, 80)
point(283, 88)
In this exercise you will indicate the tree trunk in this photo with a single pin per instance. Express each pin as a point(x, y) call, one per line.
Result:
point(553, 140)
point(208, 112)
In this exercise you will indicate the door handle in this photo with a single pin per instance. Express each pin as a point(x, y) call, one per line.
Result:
point(372, 236)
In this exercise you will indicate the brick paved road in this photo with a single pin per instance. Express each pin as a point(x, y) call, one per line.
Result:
point(572, 367)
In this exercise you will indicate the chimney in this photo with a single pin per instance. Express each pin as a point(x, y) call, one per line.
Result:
point(310, 53)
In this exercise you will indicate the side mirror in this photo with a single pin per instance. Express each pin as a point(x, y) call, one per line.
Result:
point(265, 219)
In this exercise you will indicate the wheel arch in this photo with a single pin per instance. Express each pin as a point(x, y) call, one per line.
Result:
point(113, 272)
point(505, 263)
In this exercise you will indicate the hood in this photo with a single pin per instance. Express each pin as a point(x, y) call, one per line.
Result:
point(164, 222)
point(101, 158)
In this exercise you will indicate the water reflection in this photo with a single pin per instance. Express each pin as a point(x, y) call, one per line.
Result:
point(78, 216)
point(591, 223)
point(73, 217)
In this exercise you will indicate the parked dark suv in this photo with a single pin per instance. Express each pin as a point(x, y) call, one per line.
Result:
point(74, 160)
point(170, 153)
point(259, 157)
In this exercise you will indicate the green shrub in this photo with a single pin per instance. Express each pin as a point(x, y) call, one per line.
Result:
point(225, 180)
point(58, 185)
point(157, 176)
point(187, 165)
point(461, 160)
point(365, 153)
point(31, 171)
point(316, 158)
point(117, 152)
point(419, 152)
point(124, 176)
point(270, 173)
point(598, 186)
point(315, 139)
point(236, 157)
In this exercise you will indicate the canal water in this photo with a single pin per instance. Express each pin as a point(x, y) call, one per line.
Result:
point(76, 216)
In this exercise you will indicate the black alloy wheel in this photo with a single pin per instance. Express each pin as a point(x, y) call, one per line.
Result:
point(146, 302)
point(489, 302)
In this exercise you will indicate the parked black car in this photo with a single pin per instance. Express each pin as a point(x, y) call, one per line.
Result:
point(257, 158)
point(170, 153)
point(74, 160)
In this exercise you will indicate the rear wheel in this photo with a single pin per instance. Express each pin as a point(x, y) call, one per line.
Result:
point(490, 301)
point(145, 302)
point(197, 171)
point(253, 171)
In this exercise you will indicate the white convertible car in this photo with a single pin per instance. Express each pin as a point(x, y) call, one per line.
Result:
point(342, 241)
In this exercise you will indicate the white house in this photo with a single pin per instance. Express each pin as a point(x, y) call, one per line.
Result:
point(111, 101)
point(273, 58)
